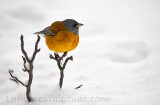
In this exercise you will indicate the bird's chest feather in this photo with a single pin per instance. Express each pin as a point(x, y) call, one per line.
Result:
point(63, 41)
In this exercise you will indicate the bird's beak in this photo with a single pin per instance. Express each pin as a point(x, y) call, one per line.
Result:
point(79, 24)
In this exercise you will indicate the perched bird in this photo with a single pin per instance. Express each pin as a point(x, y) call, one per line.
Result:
point(62, 36)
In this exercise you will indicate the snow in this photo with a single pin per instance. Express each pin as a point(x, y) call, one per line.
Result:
point(117, 58)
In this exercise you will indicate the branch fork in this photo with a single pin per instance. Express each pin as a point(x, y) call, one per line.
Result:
point(29, 70)
point(59, 59)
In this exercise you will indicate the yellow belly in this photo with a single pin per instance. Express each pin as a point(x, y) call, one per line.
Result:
point(62, 42)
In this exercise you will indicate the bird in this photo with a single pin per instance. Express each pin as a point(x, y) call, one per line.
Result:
point(62, 36)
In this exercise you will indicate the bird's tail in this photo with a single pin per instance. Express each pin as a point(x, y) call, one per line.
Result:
point(40, 32)
point(44, 31)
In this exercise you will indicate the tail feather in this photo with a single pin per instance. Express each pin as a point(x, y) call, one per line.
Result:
point(40, 32)
point(44, 31)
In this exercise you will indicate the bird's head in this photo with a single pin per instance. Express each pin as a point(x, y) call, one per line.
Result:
point(72, 25)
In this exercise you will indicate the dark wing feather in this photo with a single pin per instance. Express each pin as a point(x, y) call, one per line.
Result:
point(46, 31)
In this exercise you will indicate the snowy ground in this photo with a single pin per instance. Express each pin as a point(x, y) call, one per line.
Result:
point(117, 60)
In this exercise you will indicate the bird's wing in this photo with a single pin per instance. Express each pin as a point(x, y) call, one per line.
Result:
point(46, 31)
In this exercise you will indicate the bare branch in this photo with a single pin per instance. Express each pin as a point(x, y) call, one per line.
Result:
point(22, 49)
point(61, 78)
point(36, 49)
point(64, 55)
point(66, 61)
point(24, 65)
point(61, 65)
point(15, 78)
point(25, 69)
point(79, 86)
point(51, 57)
point(24, 60)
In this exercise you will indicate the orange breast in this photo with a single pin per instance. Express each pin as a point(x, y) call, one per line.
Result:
point(62, 42)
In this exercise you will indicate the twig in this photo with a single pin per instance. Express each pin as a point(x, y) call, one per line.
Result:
point(25, 69)
point(36, 50)
point(79, 86)
point(24, 65)
point(22, 49)
point(15, 78)
point(66, 61)
point(61, 66)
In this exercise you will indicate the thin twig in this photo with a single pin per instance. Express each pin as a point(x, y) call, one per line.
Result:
point(61, 66)
point(15, 78)
point(36, 49)
point(64, 55)
point(79, 86)
point(24, 65)
point(51, 57)
point(66, 61)
point(22, 49)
